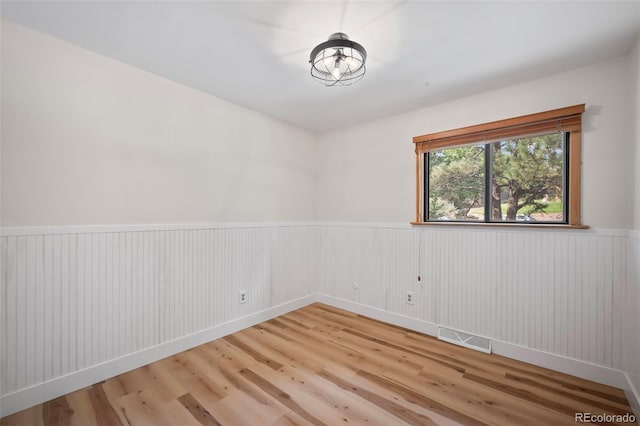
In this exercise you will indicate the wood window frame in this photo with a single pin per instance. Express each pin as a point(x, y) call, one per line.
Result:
point(568, 119)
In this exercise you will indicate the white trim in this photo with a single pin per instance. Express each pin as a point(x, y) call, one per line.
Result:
point(574, 367)
point(389, 225)
point(611, 232)
point(11, 231)
point(633, 396)
point(582, 369)
point(421, 326)
point(43, 392)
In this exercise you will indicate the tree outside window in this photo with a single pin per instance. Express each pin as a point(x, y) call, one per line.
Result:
point(514, 171)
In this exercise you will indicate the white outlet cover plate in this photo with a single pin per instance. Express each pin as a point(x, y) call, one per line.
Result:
point(410, 297)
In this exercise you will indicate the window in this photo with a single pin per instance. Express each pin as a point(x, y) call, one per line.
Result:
point(523, 170)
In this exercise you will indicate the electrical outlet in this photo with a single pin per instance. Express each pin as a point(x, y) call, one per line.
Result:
point(410, 296)
point(242, 296)
point(355, 285)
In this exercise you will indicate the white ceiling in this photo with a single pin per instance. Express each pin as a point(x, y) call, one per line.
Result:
point(255, 53)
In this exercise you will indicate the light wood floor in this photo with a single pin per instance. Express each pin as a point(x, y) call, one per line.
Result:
point(321, 365)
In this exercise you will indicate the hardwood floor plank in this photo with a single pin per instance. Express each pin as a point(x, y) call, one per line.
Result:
point(57, 412)
point(192, 379)
point(317, 321)
point(576, 403)
point(224, 353)
point(272, 330)
point(326, 308)
point(281, 396)
point(474, 400)
point(83, 414)
point(417, 398)
point(392, 407)
point(319, 396)
point(497, 362)
point(377, 415)
point(114, 389)
point(286, 352)
point(521, 393)
point(235, 341)
point(289, 320)
point(30, 416)
point(240, 409)
point(285, 420)
point(244, 386)
point(277, 323)
point(584, 386)
point(607, 407)
point(160, 378)
point(198, 411)
point(146, 407)
point(323, 365)
point(418, 362)
point(324, 347)
point(179, 414)
point(105, 413)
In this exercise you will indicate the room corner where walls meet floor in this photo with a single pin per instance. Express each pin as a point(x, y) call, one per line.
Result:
point(173, 288)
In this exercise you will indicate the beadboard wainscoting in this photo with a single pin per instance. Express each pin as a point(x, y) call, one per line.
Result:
point(84, 304)
point(548, 297)
point(631, 322)
point(77, 299)
point(558, 292)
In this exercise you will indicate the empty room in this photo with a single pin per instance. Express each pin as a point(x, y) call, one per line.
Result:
point(319, 212)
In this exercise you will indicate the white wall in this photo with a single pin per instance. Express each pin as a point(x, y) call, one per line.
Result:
point(367, 173)
point(89, 140)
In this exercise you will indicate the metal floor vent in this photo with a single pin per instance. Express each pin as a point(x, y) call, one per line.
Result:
point(463, 339)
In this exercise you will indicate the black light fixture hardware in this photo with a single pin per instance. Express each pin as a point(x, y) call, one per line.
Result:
point(338, 61)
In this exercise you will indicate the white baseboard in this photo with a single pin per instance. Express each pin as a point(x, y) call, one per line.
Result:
point(633, 396)
point(574, 367)
point(380, 314)
point(583, 369)
point(43, 392)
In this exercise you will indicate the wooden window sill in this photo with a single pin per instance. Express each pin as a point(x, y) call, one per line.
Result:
point(504, 225)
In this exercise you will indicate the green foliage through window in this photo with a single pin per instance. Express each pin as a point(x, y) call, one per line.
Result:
point(511, 180)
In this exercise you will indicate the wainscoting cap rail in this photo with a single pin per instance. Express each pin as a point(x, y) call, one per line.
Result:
point(11, 231)
point(610, 232)
point(14, 231)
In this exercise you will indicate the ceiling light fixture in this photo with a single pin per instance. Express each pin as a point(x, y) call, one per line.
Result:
point(338, 61)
